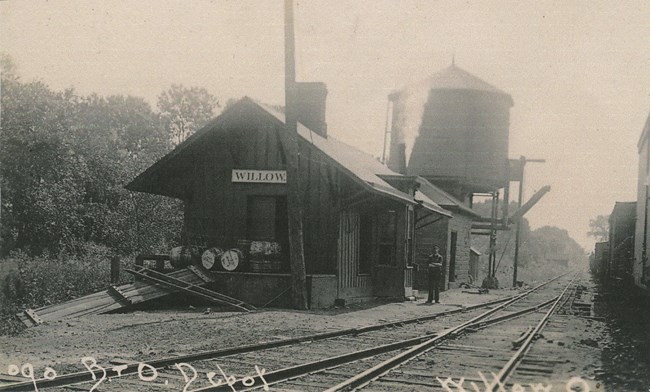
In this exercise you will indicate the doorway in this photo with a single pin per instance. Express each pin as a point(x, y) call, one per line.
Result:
point(452, 257)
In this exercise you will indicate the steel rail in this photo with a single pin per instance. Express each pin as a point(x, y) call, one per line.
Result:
point(133, 368)
point(86, 376)
point(292, 372)
point(384, 367)
point(516, 359)
point(507, 317)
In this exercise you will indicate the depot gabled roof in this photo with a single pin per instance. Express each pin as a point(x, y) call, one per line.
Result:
point(360, 166)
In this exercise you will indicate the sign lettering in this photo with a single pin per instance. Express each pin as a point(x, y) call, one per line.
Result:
point(148, 373)
point(260, 176)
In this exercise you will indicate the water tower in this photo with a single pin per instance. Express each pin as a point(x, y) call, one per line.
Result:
point(452, 129)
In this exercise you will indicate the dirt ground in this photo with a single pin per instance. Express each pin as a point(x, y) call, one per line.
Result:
point(144, 335)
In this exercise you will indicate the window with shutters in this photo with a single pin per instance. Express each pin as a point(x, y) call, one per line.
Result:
point(410, 237)
point(365, 244)
point(387, 236)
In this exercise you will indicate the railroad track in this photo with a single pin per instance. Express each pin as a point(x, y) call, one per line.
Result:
point(481, 359)
point(312, 362)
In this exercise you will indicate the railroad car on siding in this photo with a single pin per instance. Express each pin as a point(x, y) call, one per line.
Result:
point(622, 223)
point(601, 259)
point(641, 268)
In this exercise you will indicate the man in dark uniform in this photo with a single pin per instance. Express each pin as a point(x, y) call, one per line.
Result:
point(435, 270)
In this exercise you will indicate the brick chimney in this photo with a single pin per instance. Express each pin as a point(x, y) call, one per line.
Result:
point(401, 158)
point(310, 106)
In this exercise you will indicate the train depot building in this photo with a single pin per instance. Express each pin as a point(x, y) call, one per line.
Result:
point(368, 228)
point(359, 217)
point(452, 236)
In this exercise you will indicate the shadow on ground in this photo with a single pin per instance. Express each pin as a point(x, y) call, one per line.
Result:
point(626, 353)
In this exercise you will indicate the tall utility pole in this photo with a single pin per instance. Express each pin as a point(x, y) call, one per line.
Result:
point(289, 140)
point(522, 162)
point(493, 235)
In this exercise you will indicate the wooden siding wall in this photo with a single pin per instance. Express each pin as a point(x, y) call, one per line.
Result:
point(216, 208)
point(462, 225)
point(324, 186)
point(425, 238)
point(439, 234)
point(348, 252)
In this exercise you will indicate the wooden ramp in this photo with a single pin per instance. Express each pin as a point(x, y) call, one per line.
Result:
point(113, 298)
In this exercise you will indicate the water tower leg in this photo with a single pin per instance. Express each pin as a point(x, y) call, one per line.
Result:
point(515, 261)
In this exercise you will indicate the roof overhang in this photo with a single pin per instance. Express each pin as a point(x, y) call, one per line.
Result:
point(444, 199)
point(429, 205)
point(143, 182)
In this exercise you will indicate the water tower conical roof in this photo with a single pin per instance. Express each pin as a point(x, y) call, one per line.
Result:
point(455, 78)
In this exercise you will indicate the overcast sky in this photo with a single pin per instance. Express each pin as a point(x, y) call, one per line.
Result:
point(578, 72)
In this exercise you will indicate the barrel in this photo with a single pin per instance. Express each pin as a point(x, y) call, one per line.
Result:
point(232, 260)
point(211, 258)
point(182, 256)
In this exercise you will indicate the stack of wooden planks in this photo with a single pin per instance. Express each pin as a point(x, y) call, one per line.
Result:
point(188, 288)
point(113, 298)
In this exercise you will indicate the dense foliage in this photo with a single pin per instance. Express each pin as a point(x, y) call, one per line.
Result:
point(538, 248)
point(65, 159)
point(35, 281)
point(183, 110)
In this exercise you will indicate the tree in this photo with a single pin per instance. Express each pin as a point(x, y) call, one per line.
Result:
point(7, 66)
point(549, 242)
point(599, 228)
point(120, 137)
point(537, 246)
point(64, 160)
point(184, 110)
point(41, 172)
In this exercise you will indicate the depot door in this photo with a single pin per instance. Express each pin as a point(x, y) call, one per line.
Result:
point(452, 257)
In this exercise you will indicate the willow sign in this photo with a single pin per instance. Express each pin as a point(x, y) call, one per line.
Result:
point(265, 176)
